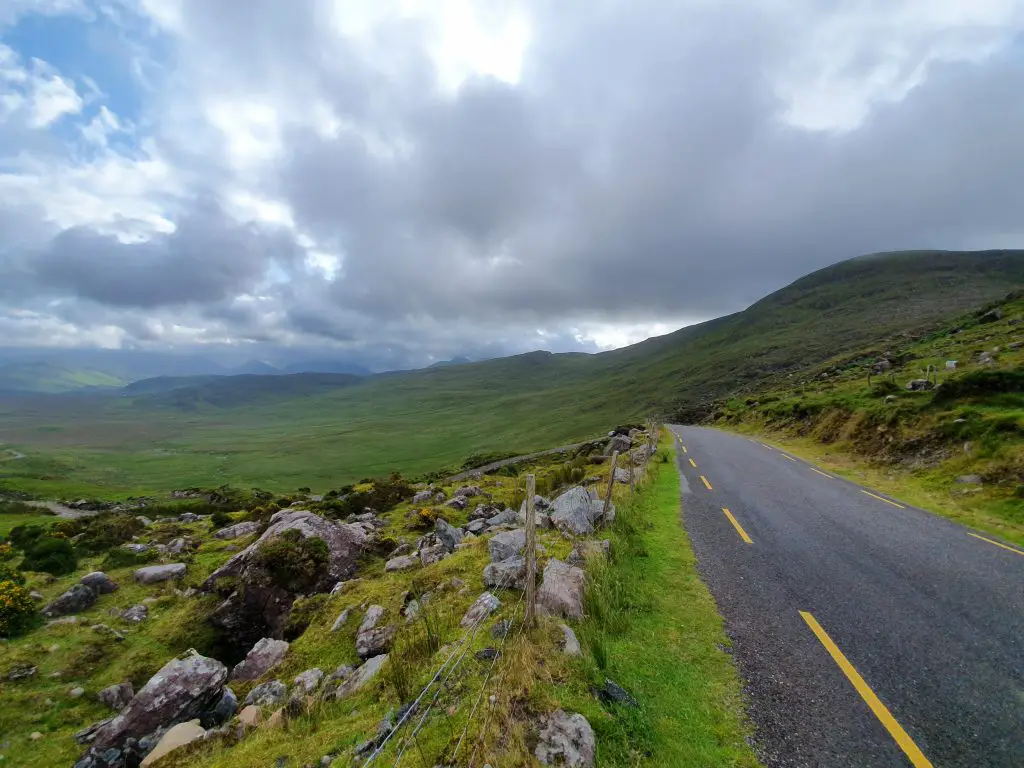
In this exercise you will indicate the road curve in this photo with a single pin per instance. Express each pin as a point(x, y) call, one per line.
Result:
point(868, 633)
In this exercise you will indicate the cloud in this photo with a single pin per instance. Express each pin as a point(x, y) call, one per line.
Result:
point(410, 183)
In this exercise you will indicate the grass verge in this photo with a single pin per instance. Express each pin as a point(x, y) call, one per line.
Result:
point(654, 629)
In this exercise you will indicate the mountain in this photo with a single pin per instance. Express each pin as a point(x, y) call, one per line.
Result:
point(190, 393)
point(328, 366)
point(453, 361)
point(258, 367)
point(46, 377)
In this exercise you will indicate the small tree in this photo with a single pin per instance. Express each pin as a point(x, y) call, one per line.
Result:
point(17, 610)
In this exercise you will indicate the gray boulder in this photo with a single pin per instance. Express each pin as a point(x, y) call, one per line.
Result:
point(431, 555)
point(223, 711)
point(577, 511)
point(476, 527)
point(481, 608)
point(262, 658)
point(447, 534)
point(238, 530)
point(506, 574)
point(75, 600)
point(468, 491)
point(372, 640)
point(570, 643)
point(269, 694)
point(506, 544)
point(620, 443)
point(566, 739)
point(154, 574)
point(136, 614)
point(401, 563)
point(424, 497)
point(99, 582)
point(505, 517)
point(622, 475)
point(182, 689)
point(361, 676)
point(561, 593)
point(457, 502)
point(116, 696)
point(309, 680)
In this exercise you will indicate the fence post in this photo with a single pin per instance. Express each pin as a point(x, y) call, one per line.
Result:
point(629, 466)
point(611, 485)
point(531, 551)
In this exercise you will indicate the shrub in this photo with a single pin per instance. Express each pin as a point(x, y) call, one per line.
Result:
point(17, 610)
point(119, 557)
point(220, 519)
point(423, 519)
point(8, 507)
point(54, 556)
point(979, 383)
point(25, 536)
point(10, 573)
point(293, 561)
point(6, 551)
point(103, 532)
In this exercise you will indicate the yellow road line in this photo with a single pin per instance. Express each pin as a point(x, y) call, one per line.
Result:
point(787, 456)
point(1012, 549)
point(823, 474)
point(684, 448)
point(876, 496)
point(917, 758)
point(737, 526)
point(693, 463)
point(706, 483)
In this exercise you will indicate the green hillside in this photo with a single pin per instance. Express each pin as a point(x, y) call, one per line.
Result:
point(299, 431)
point(36, 376)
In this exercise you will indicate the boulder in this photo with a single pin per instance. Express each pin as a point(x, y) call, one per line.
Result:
point(116, 696)
point(561, 593)
point(238, 530)
point(375, 642)
point(269, 694)
point(250, 716)
point(447, 534)
point(340, 621)
point(309, 680)
point(424, 497)
point(260, 607)
point(506, 544)
point(506, 574)
point(264, 656)
point(622, 475)
point(75, 600)
point(177, 546)
point(457, 502)
point(182, 689)
point(222, 712)
point(570, 643)
point(481, 608)
point(641, 454)
point(431, 555)
point(505, 517)
point(576, 511)
point(969, 479)
point(468, 491)
point(476, 527)
point(178, 736)
point(99, 582)
point(620, 443)
point(401, 563)
point(919, 385)
point(371, 618)
point(361, 676)
point(565, 739)
point(136, 614)
point(154, 574)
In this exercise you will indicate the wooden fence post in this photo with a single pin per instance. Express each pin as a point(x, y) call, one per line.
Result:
point(611, 485)
point(629, 466)
point(531, 551)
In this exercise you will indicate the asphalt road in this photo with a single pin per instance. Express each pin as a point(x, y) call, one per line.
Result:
point(928, 618)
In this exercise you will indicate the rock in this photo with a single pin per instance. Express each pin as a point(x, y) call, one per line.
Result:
point(576, 511)
point(238, 530)
point(613, 693)
point(178, 736)
point(447, 534)
point(35, 736)
point(622, 475)
point(588, 549)
point(481, 608)
point(375, 642)
point(224, 711)
point(180, 691)
point(177, 546)
point(506, 517)
point(99, 583)
point(476, 527)
point(919, 385)
point(411, 610)
point(969, 479)
point(309, 680)
point(457, 502)
point(620, 443)
point(431, 555)
point(136, 614)
point(75, 600)
point(506, 574)
point(501, 629)
point(423, 497)
point(77, 692)
point(269, 694)
point(36, 595)
point(401, 549)
point(985, 358)
point(483, 511)
point(340, 621)
point(371, 618)
point(361, 676)
point(640, 455)
point(991, 316)
point(137, 549)
point(468, 491)
point(275, 723)
point(487, 654)
point(561, 592)
point(401, 563)
point(570, 644)
point(565, 739)
point(890, 399)
point(250, 716)
point(263, 657)
point(154, 574)
point(260, 607)
point(506, 544)
point(116, 696)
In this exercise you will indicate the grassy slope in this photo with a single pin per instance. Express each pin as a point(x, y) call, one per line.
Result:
point(419, 420)
point(46, 377)
point(918, 443)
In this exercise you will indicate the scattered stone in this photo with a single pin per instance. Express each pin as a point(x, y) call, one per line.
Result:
point(969, 479)
point(570, 644)
point(985, 358)
point(476, 526)
point(402, 549)
point(178, 736)
point(613, 693)
point(586, 550)
point(21, 672)
point(309, 680)
point(36, 595)
point(154, 574)
point(505, 517)
point(275, 723)
point(423, 497)
point(561, 592)
point(361, 676)
point(434, 554)
point(268, 694)
point(991, 316)
point(565, 739)
point(919, 385)
point(110, 632)
point(238, 530)
point(77, 692)
point(136, 548)
point(401, 563)
point(411, 610)
point(456, 502)
point(224, 711)
point(264, 656)
point(340, 621)
point(371, 618)
point(501, 629)
point(509, 573)
point(620, 443)
point(249, 717)
point(469, 491)
point(506, 544)
point(136, 614)
point(99, 583)
point(177, 546)
point(375, 642)
point(180, 691)
point(75, 600)
point(447, 534)
point(35, 736)
point(487, 654)
point(116, 696)
point(577, 511)
point(481, 608)
point(622, 475)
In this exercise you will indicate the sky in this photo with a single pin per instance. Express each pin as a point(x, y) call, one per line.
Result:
point(408, 181)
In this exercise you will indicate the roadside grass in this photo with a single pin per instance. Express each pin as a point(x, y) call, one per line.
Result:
point(653, 628)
